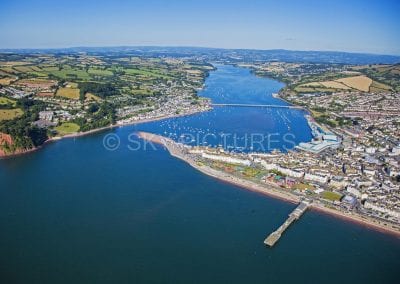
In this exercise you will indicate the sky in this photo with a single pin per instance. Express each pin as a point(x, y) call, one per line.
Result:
point(370, 26)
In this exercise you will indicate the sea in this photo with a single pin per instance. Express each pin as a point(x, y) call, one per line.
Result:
point(110, 208)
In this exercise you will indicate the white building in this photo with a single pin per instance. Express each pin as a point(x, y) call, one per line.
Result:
point(226, 159)
point(338, 182)
point(370, 150)
point(46, 115)
point(317, 178)
point(375, 207)
point(285, 171)
point(354, 191)
point(396, 150)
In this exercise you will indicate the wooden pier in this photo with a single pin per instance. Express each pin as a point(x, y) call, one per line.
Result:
point(296, 214)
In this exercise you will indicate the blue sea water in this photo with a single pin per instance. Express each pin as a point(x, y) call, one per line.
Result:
point(75, 212)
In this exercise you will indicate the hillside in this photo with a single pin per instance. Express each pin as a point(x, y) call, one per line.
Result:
point(330, 78)
point(385, 73)
point(360, 83)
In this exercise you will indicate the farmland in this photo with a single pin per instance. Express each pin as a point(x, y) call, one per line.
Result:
point(361, 83)
point(147, 73)
point(91, 97)
point(68, 72)
point(8, 114)
point(6, 81)
point(68, 92)
point(58, 94)
point(330, 78)
point(358, 83)
point(5, 102)
point(100, 72)
point(385, 74)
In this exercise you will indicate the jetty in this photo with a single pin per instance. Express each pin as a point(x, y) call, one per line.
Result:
point(260, 105)
point(295, 215)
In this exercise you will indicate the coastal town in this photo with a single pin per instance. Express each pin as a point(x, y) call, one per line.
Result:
point(344, 178)
point(350, 166)
point(215, 141)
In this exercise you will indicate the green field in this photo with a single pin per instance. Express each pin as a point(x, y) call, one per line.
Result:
point(67, 128)
point(100, 72)
point(303, 186)
point(333, 196)
point(69, 93)
point(72, 85)
point(6, 101)
point(37, 74)
point(95, 86)
point(251, 172)
point(147, 73)
point(300, 89)
point(142, 92)
point(8, 114)
point(69, 73)
point(9, 70)
point(23, 69)
point(49, 68)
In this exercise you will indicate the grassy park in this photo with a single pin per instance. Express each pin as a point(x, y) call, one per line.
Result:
point(67, 128)
point(332, 196)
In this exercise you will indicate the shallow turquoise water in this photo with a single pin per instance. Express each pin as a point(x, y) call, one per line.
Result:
point(75, 212)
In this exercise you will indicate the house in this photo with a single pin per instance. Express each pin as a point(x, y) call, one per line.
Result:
point(46, 115)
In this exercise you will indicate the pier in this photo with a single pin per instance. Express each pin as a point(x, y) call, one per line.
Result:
point(258, 105)
point(296, 214)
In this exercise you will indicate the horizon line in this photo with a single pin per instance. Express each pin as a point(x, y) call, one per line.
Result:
point(194, 46)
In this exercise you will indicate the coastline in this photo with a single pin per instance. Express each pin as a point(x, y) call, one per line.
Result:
point(366, 222)
point(84, 133)
point(269, 189)
point(92, 131)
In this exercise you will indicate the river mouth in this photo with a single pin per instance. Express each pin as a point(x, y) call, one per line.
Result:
point(238, 128)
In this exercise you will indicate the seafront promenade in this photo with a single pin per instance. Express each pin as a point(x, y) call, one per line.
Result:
point(180, 151)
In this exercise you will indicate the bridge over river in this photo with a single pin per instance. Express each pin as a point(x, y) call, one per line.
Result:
point(260, 105)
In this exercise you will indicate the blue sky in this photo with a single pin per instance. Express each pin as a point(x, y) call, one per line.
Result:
point(345, 25)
